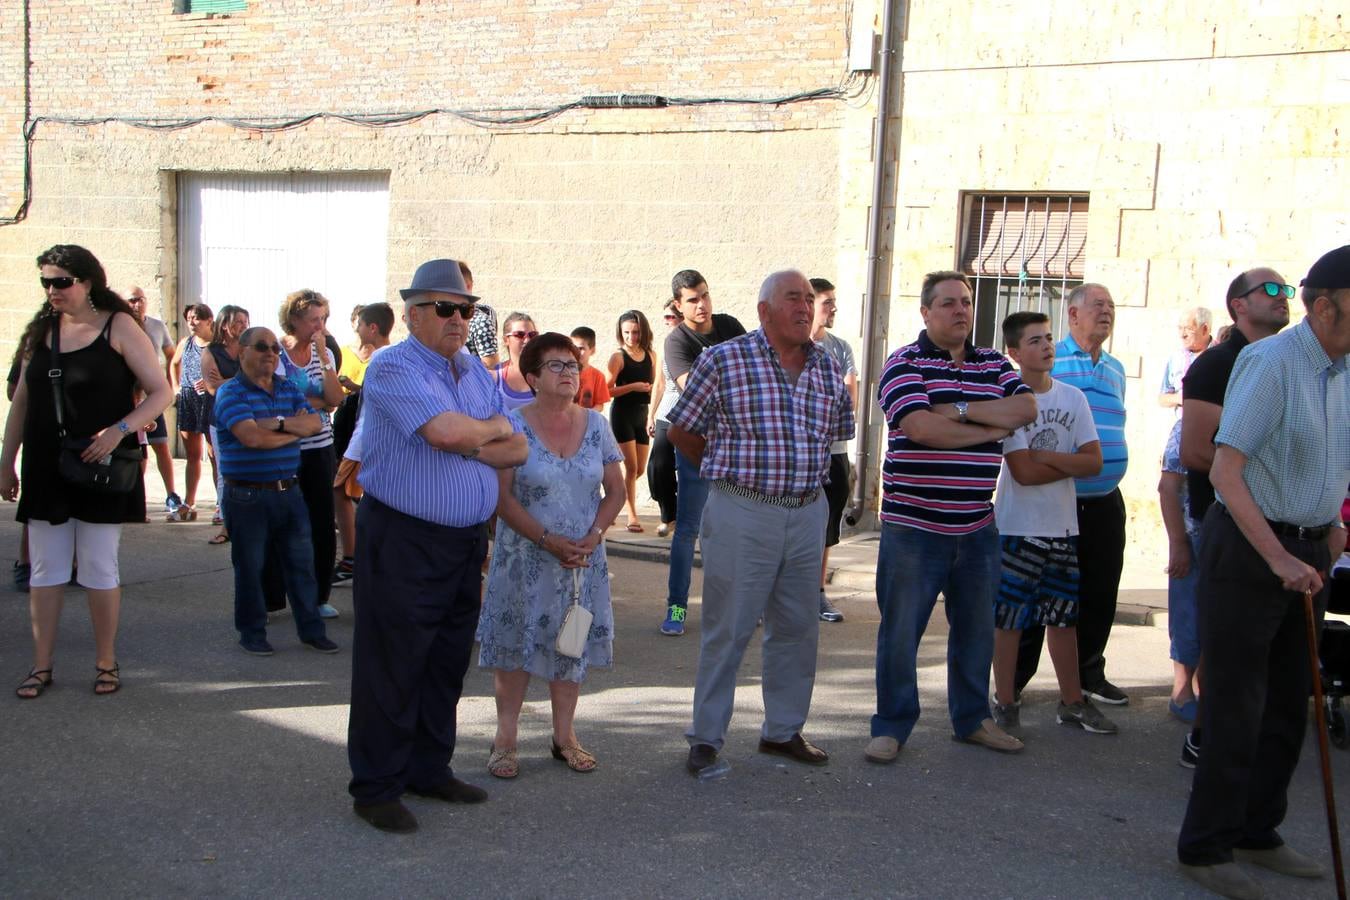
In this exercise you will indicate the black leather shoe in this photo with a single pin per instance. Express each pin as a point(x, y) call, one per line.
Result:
point(392, 816)
point(700, 757)
point(453, 791)
point(798, 748)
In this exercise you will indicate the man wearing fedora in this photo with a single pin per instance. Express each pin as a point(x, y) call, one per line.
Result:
point(434, 432)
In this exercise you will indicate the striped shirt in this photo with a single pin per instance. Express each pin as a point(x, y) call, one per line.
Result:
point(942, 491)
point(406, 387)
point(309, 379)
point(764, 432)
point(1104, 384)
point(1287, 410)
point(239, 400)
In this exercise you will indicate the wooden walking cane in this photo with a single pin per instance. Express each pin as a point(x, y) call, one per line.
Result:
point(1323, 747)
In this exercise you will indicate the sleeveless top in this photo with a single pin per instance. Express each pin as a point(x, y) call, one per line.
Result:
point(309, 379)
point(631, 372)
point(511, 399)
point(192, 366)
point(225, 365)
point(98, 386)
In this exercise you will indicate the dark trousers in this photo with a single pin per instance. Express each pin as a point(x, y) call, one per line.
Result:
point(416, 594)
point(661, 472)
point(1254, 645)
point(1101, 557)
point(315, 478)
point(270, 523)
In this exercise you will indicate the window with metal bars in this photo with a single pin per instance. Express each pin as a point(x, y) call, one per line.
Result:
point(1022, 252)
point(209, 6)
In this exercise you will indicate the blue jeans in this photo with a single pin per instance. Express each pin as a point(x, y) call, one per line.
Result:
point(692, 496)
point(1183, 626)
point(260, 517)
point(913, 566)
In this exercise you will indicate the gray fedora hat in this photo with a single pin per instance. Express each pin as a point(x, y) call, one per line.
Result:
point(439, 275)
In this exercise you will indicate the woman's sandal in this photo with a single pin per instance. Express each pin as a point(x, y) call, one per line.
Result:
point(221, 538)
point(577, 759)
point(107, 681)
point(34, 683)
point(503, 763)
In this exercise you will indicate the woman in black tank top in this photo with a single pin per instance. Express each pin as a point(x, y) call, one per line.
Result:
point(104, 358)
point(631, 373)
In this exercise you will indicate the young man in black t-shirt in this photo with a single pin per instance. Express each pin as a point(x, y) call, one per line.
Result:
point(701, 328)
point(1256, 315)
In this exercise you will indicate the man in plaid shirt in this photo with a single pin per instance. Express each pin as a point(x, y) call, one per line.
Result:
point(759, 414)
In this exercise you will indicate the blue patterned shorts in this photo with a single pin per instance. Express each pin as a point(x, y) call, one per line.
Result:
point(1038, 584)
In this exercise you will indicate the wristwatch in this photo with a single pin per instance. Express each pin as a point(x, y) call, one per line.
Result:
point(472, 454)
point(281, 423)
point(123, 427)
point(962, 407)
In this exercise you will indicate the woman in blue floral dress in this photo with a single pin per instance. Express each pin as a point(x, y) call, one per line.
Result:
point(552, 515)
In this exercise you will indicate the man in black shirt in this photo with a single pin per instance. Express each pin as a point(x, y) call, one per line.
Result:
point(1256, 314)
point(701, 328)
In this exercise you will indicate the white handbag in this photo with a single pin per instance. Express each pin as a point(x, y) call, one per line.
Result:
point(576, 624)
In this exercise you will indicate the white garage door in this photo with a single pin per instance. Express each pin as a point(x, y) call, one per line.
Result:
point(249, 240)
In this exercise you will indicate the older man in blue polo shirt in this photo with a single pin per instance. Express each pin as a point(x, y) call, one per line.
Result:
point(1082, 361)
point(434, 433)
point(260, 420)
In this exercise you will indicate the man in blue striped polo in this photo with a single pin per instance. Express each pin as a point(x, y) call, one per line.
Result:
point(260, 420)
point(948, 405)
point(1082, 361)
point(434, 436)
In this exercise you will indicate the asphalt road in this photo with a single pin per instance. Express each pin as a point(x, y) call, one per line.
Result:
point(213, 773)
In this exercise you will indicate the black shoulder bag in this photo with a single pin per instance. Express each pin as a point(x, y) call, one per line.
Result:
point(114, 473)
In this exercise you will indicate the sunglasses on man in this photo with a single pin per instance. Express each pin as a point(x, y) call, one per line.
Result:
point(264, 347)
point(60, 282)
point(446, 308)
point(1272, 289)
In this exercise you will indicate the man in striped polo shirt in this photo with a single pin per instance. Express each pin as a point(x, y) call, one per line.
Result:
point(1082, 361)
point(260, 420)
point(948, 404)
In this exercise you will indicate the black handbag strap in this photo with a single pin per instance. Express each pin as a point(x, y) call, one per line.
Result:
point(54, 373)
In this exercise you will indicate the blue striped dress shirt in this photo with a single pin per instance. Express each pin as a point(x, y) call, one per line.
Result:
point(405, 387)
point(1104, 384)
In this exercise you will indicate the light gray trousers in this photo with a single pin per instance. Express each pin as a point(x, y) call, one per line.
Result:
point(758, 559)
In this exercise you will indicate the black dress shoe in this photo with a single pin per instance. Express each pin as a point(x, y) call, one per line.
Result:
point(453, 791)
point(392, 816)
point(796, 747)
point(701, 756)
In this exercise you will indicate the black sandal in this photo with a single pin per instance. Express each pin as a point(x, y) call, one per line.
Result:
point(37, 687)
point(113, 682)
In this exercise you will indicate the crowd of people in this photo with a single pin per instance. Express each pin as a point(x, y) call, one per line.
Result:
point(1000, 491)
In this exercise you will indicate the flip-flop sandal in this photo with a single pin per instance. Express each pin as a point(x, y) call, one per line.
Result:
point(503, 763)
point(577, 759)
point(221, 538)
point(635, 527)
point(37, 686)
point(107, 681)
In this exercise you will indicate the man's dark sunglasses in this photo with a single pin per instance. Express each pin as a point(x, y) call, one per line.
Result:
point(60, 282)
point(445, 309)
point(1273, 289)
point(264, 347)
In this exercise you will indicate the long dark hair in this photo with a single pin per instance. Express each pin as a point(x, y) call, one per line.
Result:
point(82, 264)
point(644, 333)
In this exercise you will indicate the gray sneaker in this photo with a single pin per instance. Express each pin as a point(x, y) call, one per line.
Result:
point(1007, 716)
point(828, 611)
point(1085, 716)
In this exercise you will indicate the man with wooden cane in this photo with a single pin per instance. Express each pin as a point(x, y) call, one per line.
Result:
point(1280, 471)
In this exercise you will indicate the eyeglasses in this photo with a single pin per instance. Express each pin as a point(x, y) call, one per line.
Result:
point(264, 347)
point(445, 308)
point(559, 367)
point(60, 282)
point(1272, 289)
point(671, 317)
point(523, 335)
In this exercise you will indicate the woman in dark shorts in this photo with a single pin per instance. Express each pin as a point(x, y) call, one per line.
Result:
point(631, 372)
point(193, 404)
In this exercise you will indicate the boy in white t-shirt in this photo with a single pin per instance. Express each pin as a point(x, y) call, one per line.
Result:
point(1037, 516)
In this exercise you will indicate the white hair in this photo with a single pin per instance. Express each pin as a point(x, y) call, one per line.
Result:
point(770, 285)
point(1200, 315)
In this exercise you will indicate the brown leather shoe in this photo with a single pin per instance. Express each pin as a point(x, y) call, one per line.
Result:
point(452, 791)
point(991, 736)
point(393, 816)
point(798, 748)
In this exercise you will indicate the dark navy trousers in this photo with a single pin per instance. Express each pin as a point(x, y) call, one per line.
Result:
point(417, 594)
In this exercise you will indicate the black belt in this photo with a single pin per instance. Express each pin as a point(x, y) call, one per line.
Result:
point(1284, 529)
point(789, 502)
point(284, 484)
